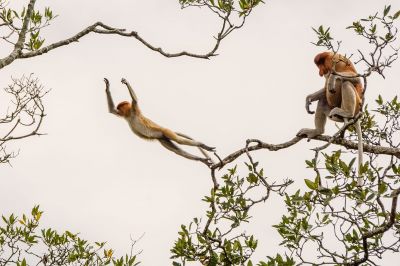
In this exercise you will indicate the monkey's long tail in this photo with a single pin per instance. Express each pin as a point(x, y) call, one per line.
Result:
point(360, 180)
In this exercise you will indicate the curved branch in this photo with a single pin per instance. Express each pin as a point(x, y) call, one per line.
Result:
point(379, 230)
point(105, 29)
point(275, 147)
point(19, 45)
point(102, 28)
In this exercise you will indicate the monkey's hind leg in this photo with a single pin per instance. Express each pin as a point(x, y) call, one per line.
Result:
point(185, 140)
point(172, 147)
point(200, 149)
point(319, 121)
point(349, 101)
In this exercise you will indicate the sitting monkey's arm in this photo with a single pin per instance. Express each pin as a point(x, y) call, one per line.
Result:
point(316, 96)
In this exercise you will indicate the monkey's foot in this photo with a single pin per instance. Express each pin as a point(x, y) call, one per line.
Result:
point(309, 133)
point(207, 161)
point(339, 113)
point(208, 148)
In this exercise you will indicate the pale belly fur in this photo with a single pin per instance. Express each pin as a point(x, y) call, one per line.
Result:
point(141, 130)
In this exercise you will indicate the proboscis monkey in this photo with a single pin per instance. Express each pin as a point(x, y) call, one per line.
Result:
point(147, 129)
point(340, 99)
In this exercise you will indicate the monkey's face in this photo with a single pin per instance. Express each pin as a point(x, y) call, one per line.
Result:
point(124, 108)
point(323, 70)
point(323, 62)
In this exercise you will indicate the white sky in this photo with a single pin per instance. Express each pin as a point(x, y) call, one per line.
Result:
point(90, 174)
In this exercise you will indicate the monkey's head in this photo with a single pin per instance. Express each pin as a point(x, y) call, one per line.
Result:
point(325, 61)
point(124, 108)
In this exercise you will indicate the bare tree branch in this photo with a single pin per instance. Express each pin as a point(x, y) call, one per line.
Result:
point(379, 230)
point(24, 116)
point(275, 147)
point(227, 27)
point(16, 53)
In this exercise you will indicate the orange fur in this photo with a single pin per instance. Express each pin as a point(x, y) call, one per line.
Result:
point(326, 61)
point(147, 129)
point(124, 108)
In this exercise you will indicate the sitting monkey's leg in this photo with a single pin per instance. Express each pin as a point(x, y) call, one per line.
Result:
point(321, 113)
point(348, 106)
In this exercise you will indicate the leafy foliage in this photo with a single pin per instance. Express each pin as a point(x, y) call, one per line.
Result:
point(217, 242)
point(13, 20)
point(356, 217)
point(243, 7)
point(341, 222)
point(22, 242)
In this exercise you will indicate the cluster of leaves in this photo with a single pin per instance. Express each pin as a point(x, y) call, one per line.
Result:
point(379, 31)
point(22, 244)
point(370, 32)
point(362, 222)
point(228, 204)
point(12, 21)
point(356, 217)
point(216, 242)
point(386, 132)
point(391, 127)
point(243, 7)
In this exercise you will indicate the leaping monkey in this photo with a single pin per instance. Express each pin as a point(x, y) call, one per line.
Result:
point(147, 129)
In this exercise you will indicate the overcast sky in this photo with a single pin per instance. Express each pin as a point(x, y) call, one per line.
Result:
point(90, 174)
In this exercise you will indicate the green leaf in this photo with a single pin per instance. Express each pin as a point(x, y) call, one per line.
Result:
point(325, 191)
point(379, 100)
point(396, 15)
point(382, 188)
point(310, 184)
point(310, 164)
point(386, 10)
point(370, 197)
point(15, 14)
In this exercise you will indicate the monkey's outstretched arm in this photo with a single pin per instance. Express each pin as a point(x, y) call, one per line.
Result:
point(314, 97)
point(172, 147)
point(110, 102)
point(131, 92)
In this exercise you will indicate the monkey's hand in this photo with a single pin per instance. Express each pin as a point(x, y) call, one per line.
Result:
point(107, 82)
point(308, 102)
point(208, 148)
point(124, 81)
